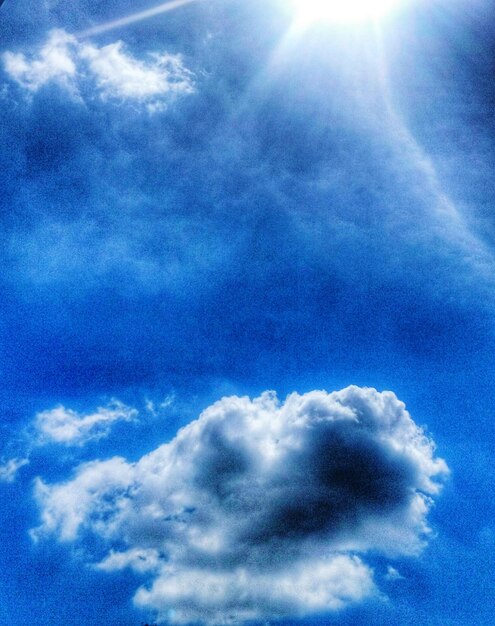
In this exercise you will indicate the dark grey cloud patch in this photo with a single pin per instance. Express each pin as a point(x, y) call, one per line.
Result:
point(259, 508)
point(341, 476)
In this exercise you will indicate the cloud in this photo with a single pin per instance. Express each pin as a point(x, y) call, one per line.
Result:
point(9, 469)
point(61, 425)
point(219, 597)
point(154, 408)
point(260, 508)
point(392, 574)
point(66, 427)
point(119, 75)
point(114, 73)
point(137, 559)
point(54, 62)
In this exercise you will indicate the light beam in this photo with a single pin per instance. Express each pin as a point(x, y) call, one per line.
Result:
point(134, 17)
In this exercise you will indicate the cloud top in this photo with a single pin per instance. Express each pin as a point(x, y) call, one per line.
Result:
point(114, 73)
point(260, 508)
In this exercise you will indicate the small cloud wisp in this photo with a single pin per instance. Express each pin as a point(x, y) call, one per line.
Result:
point(65, 426)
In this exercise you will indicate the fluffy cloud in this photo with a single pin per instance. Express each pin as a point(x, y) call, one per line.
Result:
point(114, 72)
point(61, 425)
point(53, 63)
point(260, 508)
point(245, 593)
point(118, 75)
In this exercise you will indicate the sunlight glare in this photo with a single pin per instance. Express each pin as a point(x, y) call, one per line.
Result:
point(309, 11)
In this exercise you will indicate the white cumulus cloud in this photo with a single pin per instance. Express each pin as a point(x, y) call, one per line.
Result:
point(260, 508)
point(115, 74)
point(65, 426)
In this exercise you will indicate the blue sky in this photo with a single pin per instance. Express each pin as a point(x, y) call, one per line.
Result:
point(210, 204)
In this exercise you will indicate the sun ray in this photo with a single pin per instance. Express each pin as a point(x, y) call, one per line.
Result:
point(164, 7)
point(447, 219)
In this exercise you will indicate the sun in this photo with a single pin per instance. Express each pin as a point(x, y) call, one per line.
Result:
point(309, 11)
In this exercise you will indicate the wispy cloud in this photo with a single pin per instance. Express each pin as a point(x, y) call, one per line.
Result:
point(260, 508)
point(9, 469)
point(114, 72)
point(392, 574)
point(61, 425)
point(65, 427)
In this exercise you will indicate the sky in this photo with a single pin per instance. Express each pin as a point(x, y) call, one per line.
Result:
point(248, 316)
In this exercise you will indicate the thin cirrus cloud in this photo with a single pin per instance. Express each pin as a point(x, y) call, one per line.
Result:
point(114, 72)
point(260, 508)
